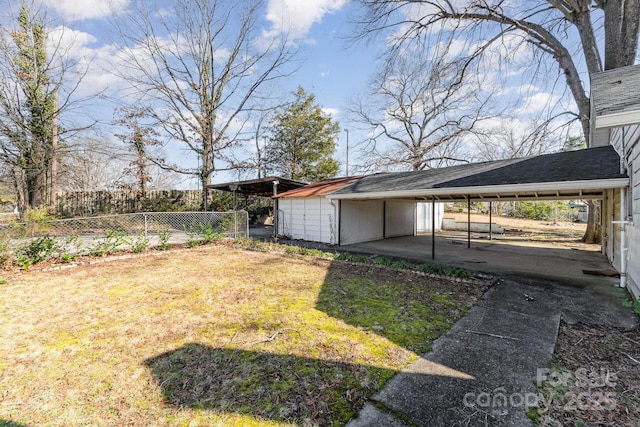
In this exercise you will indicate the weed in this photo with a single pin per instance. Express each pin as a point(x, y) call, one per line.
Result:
point(69, 248)
point(380, 260)
point(164, 236)
point(292, 250)
point(140, 244)
point(5, 254)
point(635, 304)
point(193, 236)
point(68, 257)
point(401, 264)
point(112, 242)
point(209, 235)
point(36, 251)
point(352, 258)
point(444, 270)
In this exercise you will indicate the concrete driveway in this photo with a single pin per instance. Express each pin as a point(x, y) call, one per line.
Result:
point(483, 371)
point(505, 259)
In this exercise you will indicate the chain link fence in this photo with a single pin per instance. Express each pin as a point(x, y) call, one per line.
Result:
point(152, 228)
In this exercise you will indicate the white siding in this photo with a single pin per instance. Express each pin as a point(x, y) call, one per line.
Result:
point(310, 219)
point(361, 221)
point(626, 141)
point(400, 218)
point(633, 231)
point(599, 138)
point(423, 216)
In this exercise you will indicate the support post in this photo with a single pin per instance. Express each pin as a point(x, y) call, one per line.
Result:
point(490, 218)
point(275, 210)
point(433, 227)
point(468, 221)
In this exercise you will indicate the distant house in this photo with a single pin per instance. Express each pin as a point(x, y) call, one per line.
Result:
point(308, 213)
point(615, 96)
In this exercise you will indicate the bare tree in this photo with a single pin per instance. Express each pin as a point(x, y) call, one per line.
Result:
point(139, 138)
point(93, 164)
point(197, 64)
point(38, 82)
point(102, 164)
point(418, 111)
point(546, 26)
point(512, 139)
point(543, 25)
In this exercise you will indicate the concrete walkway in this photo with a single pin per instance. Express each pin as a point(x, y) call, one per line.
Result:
point(483, 371)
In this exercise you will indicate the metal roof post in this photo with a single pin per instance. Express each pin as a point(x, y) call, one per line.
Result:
point(433, 227)
point(468, 221)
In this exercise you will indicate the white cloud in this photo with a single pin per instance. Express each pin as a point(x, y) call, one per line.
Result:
point(333, 112)
point(539, 102)
point(296, 17)
point(74, 10)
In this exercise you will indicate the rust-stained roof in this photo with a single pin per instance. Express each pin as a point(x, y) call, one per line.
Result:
point(321, 188)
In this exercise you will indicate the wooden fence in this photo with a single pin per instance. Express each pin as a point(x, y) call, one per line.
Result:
point(88, 203)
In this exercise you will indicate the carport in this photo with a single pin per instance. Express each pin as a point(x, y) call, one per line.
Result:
point(584, 174)
point(262, 187)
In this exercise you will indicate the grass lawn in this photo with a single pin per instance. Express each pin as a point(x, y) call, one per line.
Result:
point(213, 335)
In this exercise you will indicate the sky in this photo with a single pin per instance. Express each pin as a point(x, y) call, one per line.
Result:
point(331, 68)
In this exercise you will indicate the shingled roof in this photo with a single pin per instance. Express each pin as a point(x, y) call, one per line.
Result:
point(615, 99)
point(582, 173)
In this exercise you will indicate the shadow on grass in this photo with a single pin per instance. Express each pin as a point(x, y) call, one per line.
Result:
point(268, 386)
point(409, 310)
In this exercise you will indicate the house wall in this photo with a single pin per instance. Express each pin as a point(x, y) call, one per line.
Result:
point(626, 141)
point(361, 221)
point(599, 138)
point(400, 218)
point(316, 219)
point(310, 218)
point(423, 216)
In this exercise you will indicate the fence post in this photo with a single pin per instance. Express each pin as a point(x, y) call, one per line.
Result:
point(235, 224)
point(145, 225)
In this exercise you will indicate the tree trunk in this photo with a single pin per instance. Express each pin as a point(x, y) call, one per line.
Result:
point(593, 234)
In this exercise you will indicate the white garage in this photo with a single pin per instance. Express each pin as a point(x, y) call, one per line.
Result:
point(307, 214)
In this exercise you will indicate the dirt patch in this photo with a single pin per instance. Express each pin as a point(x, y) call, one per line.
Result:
point(559, 234)
point(594, 378)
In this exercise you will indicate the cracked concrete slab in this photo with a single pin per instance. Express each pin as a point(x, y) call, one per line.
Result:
point(483, 371)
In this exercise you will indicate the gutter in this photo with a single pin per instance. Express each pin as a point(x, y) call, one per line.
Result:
point(489, 189)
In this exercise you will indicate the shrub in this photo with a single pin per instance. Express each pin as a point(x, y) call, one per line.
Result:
point(164, 236)
point(140, 244)
point(112, 242)
point(36, 251)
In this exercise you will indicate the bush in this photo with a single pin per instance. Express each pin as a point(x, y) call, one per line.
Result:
point(164, 236)
point(112, 242)
point(36, 251)
point(140, 244)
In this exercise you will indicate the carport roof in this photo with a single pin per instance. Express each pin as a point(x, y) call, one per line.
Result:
point(573, 174)
point(321, 188)
point(258, 187)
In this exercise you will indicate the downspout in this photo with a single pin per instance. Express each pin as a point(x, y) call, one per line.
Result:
point(623, 219)
point(623, 227)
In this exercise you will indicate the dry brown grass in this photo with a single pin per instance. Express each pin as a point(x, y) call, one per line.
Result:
point(567, 234)
point(211, 336)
